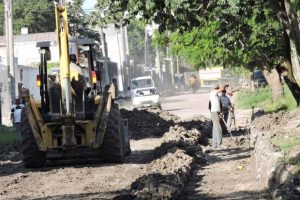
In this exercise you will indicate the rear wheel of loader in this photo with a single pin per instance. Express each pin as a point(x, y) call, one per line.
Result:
point(113, 141)
point(32, 156)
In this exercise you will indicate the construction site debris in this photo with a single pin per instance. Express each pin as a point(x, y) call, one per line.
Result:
point(148, 123)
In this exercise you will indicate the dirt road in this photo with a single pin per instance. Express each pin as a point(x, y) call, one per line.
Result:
point(187, 106)
point(160, 164)
point(230, 174)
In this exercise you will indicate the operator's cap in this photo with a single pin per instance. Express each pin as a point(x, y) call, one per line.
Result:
point(216, 86)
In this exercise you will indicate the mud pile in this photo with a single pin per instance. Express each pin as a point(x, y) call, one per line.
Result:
point(282, 178)
point(166, 177)
point(147, 123)
point(170, 169)
point(180, 137)
point(9, 151)
point(200, 123)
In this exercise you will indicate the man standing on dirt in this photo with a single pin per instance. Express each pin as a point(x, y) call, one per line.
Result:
point(226, 107)
point(193, 83)
point(215, 109)
point(16, 116)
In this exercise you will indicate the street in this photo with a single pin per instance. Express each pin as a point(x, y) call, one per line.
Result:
point(106, 181)
point(187, 106)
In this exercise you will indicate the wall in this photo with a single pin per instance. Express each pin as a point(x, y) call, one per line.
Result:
point(27, 76)
point(27, 53)
point(5, 97)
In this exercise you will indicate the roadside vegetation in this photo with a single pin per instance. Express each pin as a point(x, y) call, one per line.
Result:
point(262, 97)
point(7, 135)
point(287, 144)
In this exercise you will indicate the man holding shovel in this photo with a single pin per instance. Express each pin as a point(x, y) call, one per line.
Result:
point(226, 110)
point(215, 109)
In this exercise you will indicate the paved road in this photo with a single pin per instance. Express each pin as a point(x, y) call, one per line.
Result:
point(187, 106)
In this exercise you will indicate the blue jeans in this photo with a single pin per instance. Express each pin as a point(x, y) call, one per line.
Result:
point(217, 130)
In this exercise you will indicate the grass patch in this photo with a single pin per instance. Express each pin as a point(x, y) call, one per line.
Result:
point(246, 98)
point(286, 145)
point(7, 135)
point(262, 97)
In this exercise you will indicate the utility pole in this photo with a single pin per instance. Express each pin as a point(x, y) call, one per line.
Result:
point(172, 69)
point(146, 48)
point(158, 63)
point(9, 77)
point(105, 56)
point(178, 67)
point(10, 48)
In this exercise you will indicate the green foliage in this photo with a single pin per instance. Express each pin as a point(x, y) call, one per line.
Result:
point(286, 144)
point(136, 35)
point(51, 65)
point(262, 97)
point(37, 15)
point(246, 98)
point(234, 34)
point(7, 135)
point(80, 22)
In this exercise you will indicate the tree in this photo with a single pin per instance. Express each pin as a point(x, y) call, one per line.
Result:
point(39, 16)
point(244, 26)
point(36, 15)
point(136, 35)
point(79, 22)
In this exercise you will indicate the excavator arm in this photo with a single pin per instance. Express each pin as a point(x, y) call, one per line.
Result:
point(61, 18)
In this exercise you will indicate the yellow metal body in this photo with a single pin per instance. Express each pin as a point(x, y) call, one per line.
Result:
point(94, 130)
point(61, 17)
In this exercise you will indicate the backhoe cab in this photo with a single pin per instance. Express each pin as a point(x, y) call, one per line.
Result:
point(74, 117)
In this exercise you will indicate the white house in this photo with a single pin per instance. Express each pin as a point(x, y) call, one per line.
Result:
point(25, 49)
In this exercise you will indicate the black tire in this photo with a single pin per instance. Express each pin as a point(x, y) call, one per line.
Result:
point(32, 156)
point(112, 149)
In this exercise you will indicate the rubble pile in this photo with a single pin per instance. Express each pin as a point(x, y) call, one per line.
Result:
point(145, 123)
point(180, 137)
point(277, 169)
point(166, 177)
point(7, 151)
point(168, 173)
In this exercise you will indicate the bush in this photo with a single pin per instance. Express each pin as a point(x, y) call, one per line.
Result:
point(7, 135)
point(262, 97)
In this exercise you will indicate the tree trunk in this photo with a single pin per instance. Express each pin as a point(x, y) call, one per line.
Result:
point(274, 81)
point(288, 18)
point(290, 69)
point(286, 70)
point(287, 73)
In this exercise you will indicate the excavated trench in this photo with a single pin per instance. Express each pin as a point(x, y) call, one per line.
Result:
point(164, 151)
point(170, 160)
point(171, 166)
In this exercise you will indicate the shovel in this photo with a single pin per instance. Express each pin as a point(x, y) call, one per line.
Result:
point(235, 140)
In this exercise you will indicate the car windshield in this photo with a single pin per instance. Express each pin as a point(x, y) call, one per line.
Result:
point(258, 74)
point(142, 83)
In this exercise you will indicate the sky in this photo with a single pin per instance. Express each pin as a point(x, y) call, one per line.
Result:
point(89, 4)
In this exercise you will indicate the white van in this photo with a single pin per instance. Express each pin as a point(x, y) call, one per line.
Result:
point(144, 93)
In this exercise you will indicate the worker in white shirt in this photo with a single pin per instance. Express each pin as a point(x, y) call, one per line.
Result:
point(215, 109)
point(16, 111)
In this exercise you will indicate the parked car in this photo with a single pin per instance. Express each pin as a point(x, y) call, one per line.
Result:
point(144, 93)
point(258, 79)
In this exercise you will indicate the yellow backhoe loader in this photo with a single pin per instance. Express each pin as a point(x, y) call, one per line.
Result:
point(74, 118)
